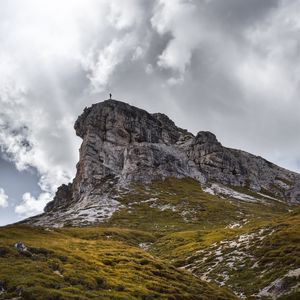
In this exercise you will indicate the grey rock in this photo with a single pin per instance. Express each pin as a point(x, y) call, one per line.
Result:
point(62, 198)
point(22, 249)
point(124, 144)
point(125, 141)
point(238, 168)
point(20, 246)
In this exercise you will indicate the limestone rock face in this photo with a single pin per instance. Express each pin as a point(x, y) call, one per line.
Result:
point(239, 168)
point(123, 141)
point(123, 144)
point(63, 197)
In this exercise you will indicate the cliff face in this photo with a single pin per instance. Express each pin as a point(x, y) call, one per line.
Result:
point(129, 144)
point(123, 144)
point(239, 168)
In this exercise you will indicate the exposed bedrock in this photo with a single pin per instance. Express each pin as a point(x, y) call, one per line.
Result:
point(126, 144)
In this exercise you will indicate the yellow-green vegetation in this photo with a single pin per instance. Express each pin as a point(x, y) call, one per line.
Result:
point(176, 205)
point(259, 260)
point(167, 238)
point(196, 225)
point(91, 263)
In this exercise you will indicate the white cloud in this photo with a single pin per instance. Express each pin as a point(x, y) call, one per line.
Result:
point(56, 56)
point(138, 53)
point(31, 206)
point(180, 19)
point(269, 67)
point(175, 80)
point(3, 198)
point(108, 59)
point(124, 14)
point(149, 69)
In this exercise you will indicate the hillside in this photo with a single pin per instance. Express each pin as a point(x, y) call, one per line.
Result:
point(93, 263)
point(161, 249)
point(155, 212)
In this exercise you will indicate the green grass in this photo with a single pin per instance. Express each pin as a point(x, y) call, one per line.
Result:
point(182, 226)
point(267, 257)
point(203, 211)
point(180, 240)
point(82, 263)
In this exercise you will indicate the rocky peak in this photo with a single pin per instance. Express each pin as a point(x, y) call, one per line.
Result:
point(123, 144)
point(124, 141)
point(120, 123)
point(205, 137)
point(203, 144)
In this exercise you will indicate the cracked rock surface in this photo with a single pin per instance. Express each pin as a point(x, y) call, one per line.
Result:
point(123, 144)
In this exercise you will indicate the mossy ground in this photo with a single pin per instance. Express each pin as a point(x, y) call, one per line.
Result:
point(178, 225)
point(246, 260)
point(197, 222)
point(92, 263)
point(189, 208)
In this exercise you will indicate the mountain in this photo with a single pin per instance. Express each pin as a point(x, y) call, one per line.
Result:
point(155, 212)
point(123, 145)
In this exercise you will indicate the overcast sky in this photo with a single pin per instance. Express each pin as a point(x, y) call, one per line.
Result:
point(231, 67)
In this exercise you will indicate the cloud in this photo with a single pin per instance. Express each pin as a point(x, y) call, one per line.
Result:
point(3, 198)
point(180, 19)
point(126, 14)
point(273, 50)
point(108, 59)
point(32, 206)
point(50, 70)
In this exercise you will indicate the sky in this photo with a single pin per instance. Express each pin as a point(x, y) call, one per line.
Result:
point(231, 67)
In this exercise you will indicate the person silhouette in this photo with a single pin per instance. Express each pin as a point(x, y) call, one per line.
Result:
point(110, 95)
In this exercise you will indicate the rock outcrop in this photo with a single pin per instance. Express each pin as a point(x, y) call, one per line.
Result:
point(124, 144)
point(238, 168)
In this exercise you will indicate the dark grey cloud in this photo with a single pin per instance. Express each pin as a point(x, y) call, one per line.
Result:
point(236, 15)
point(231, 67)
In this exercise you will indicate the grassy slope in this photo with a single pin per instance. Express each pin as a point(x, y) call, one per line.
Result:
point(181, 226)
point(246, 259)
point(92, 263)
point(197, 224)
point(189, 208)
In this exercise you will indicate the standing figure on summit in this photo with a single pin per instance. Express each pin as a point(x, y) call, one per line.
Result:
point(110, 96)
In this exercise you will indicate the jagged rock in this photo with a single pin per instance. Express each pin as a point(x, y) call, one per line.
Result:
point(124, 144)
point(62, 198)
point(239, 168)
point(20, 246)
point(22, 249)
point(125, 141)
